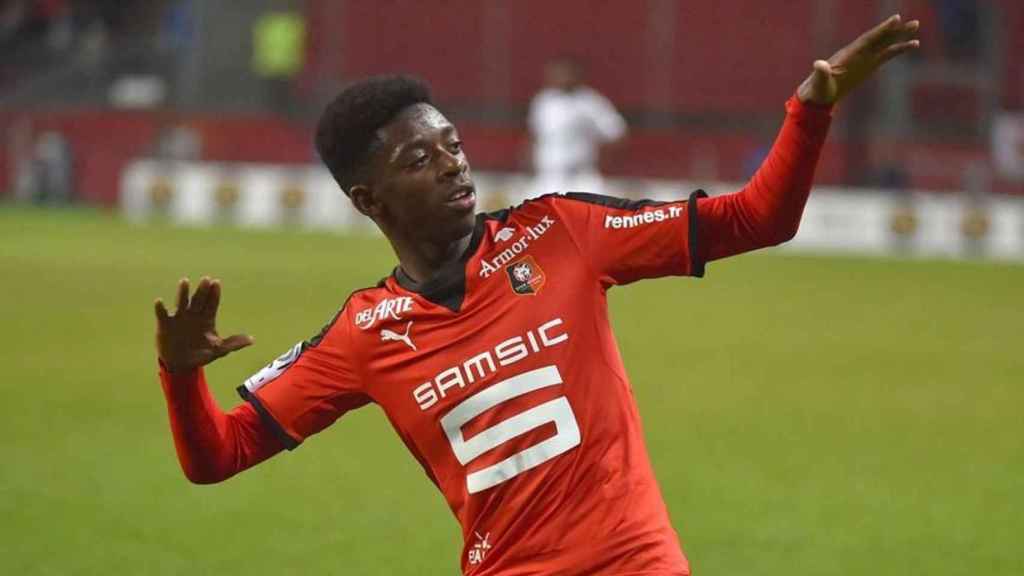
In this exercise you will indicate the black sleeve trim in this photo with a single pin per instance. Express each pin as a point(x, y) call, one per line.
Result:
point(696, 263)
point(613, 201)
point(286, 440)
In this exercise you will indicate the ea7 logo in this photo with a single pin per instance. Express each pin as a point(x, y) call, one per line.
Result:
point(526, 276)
point(391, 308)
point(479, 550)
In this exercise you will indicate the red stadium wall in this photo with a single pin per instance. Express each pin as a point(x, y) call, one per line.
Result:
point(474, 52)
point(704, 80)
point(728, 56)
point(104, 141)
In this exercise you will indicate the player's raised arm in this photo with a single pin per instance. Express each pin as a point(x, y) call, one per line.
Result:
point(211, 445)
point(768, 209)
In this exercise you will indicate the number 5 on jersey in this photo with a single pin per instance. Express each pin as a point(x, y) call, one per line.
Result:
point(557, 411)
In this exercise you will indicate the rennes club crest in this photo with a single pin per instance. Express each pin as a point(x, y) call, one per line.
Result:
point(526, 276)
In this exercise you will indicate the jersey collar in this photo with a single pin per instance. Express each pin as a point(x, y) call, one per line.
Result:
point(448, 286)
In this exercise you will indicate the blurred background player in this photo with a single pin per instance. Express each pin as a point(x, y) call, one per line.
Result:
point(570, 123)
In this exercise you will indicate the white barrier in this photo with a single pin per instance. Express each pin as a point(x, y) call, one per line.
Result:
point(836, 219)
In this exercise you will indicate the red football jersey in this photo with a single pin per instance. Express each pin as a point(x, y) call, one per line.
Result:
point(503, 378)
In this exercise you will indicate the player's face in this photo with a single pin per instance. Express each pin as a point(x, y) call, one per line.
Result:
point(421, 177)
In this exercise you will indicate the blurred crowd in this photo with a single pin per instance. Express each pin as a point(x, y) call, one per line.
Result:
point(951, 110)
point(54, 43)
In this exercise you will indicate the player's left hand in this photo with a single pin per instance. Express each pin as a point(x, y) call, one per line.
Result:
point(834, 78)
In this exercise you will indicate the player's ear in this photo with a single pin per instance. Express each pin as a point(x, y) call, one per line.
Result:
point(364, 200)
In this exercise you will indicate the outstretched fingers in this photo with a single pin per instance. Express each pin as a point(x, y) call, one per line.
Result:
point(161, 311)
point(898, 32)
point(879, 33)
point(234, 343)
point(182, 296)
point(892, 30)
point(212, 300)
point(878, 45)
point(903, 33)
point(199, 298)
point(897, 49)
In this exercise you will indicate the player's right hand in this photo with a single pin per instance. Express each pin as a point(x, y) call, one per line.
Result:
point(189, 338)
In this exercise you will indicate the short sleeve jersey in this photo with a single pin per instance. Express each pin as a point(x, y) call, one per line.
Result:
point(503, 378)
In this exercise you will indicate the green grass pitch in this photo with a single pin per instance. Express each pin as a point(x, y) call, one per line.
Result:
point(805, 415)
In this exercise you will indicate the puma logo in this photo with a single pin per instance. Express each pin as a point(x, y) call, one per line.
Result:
point(392, 336)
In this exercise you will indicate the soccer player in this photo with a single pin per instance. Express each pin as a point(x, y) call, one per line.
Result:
point(489, 347)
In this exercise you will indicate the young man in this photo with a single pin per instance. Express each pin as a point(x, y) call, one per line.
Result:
point(489, 347)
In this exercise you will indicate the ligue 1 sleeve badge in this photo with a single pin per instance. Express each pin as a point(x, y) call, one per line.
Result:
point(526, 276)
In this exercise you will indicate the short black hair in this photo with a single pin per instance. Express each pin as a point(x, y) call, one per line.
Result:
point(347, 129)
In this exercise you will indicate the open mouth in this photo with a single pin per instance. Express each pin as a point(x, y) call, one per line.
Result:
point(463, 197)
point(460, 193)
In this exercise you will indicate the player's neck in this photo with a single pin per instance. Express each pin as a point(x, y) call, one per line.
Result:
point(422, 259)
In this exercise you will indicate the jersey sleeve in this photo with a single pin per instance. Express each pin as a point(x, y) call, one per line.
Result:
point(212, 445)
point(768, 209)
point(308, 387)
point(628, 240)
